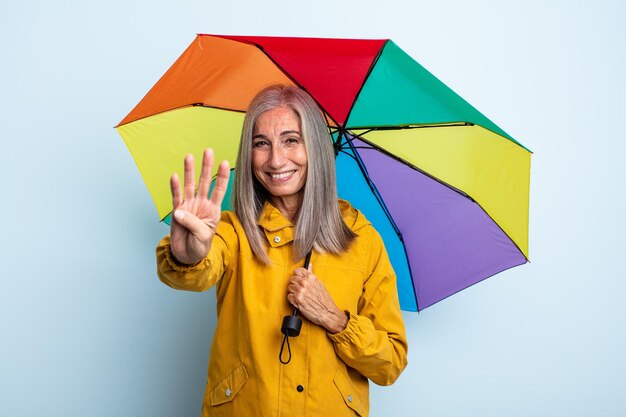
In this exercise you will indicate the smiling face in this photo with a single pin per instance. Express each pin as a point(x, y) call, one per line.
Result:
point(279, 158)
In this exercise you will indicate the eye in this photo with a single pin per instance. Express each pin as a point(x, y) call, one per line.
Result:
point(261, 144)
point(293, 141)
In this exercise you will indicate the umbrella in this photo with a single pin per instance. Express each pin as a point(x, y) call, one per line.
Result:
point(445, 187)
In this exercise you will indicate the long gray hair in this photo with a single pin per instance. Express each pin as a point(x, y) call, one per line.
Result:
point(319, 223)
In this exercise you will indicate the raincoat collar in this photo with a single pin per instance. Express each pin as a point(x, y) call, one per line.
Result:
point(279, 230)
point(272, 220)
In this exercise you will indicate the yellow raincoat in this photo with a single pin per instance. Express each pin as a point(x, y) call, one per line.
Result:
point(328, 373)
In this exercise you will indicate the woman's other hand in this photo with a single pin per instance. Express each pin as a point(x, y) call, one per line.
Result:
point(195, 217)
point(309, 295)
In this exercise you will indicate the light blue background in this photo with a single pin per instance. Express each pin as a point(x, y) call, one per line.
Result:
point(87, 329)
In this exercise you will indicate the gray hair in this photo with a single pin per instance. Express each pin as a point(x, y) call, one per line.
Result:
point(319, 223)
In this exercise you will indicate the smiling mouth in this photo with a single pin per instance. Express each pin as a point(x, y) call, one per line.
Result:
point(281, 175)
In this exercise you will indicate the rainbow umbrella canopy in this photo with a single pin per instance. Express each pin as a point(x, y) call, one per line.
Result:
point(445, 187)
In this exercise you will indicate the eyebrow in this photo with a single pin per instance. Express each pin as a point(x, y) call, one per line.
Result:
point(283, 133)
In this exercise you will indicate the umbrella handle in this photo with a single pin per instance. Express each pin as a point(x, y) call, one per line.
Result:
point(292, 324)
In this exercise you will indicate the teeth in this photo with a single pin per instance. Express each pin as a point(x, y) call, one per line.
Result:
point(281, 175)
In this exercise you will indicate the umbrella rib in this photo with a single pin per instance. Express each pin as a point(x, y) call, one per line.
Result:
point(184, 106)
point(332, 130)
point(410, 165)
point(369, 129)
point(349, 155)
point(377, 195)
point(369, 72)
point(423, 126)
point(383, 206)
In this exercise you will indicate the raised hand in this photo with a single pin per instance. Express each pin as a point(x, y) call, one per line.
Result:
point(195, 218)
point(308, 294)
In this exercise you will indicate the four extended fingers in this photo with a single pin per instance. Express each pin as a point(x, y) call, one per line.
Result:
point(221, 181)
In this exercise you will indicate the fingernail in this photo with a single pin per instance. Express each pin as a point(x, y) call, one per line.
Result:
point(179, 214)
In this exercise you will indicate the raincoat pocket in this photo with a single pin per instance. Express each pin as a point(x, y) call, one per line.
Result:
point(348, 392)
point(227, 390)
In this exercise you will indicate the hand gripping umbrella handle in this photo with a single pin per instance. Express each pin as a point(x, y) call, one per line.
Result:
point(292, 324)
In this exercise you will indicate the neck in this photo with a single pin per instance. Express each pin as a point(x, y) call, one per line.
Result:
point(288, 206)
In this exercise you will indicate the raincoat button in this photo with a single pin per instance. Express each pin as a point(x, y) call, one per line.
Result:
point(228, 392)
point(277, 239)
point(300, 388)
point(349, 398)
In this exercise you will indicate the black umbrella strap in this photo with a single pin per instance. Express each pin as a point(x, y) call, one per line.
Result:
point(282, 348)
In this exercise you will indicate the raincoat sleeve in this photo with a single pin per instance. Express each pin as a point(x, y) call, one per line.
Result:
point(204, 274)
point(374, 341)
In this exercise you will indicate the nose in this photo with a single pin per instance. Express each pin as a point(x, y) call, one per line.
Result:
point(277, 157)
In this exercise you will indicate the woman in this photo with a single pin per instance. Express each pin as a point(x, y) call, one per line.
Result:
point(286, 206)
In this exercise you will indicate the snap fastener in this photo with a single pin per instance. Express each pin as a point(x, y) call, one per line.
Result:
point(228, 392)
point(349, 398)
point(300, 388)
point(277, 239)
